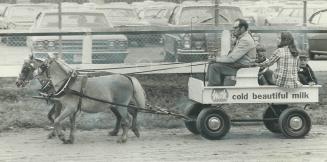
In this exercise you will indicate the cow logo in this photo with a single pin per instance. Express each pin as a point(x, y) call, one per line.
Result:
point(219, 95)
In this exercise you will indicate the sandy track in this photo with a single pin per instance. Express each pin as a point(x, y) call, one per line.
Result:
point(243, 143)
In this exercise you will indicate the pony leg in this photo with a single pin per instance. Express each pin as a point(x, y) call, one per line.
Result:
point(134, 128)
point(55, 111)
point(139, 98)
point(118, 122)
point(51, 112)
point(57, 123)
point(124, 123)
point(72, 119)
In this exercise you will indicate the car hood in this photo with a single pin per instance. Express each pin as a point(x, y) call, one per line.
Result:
point(158, 22)
point(284, 20)
point(129, 23)
point(21, 20)
point(74, 37)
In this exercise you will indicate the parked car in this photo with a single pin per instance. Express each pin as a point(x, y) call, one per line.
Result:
point(157, 14)
point(259, 13)
point(318, 42)
point(190, 47)
point(21, 17)
point(125, 16)
point(105, 48)
point(2, 11)
point(291, 15)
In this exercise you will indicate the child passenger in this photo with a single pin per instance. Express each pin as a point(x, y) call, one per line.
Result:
point(306, 75)
point(265, 74)
point(286, 56)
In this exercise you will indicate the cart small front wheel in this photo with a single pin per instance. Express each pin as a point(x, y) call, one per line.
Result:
point(271, 116)
point(213, 123)
point(192, 111)
point(294, 123)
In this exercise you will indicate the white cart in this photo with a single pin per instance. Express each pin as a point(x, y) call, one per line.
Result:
point(211, 121)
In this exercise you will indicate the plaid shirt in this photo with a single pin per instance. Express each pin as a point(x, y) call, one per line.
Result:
point(287, 67)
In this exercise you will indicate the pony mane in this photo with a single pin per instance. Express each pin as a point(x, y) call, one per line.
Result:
point(59, 72)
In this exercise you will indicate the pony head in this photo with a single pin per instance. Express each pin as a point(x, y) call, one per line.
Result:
point(31, 68)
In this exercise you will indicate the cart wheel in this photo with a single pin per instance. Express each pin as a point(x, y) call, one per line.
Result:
point(213, 123)
point(273, 112)
point(192, 112)
point(294, 123)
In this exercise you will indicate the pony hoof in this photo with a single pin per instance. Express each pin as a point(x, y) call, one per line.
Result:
point(136, 132)
point(113, 133)
point(51, 135)
point(68, 141)
point(121, 141)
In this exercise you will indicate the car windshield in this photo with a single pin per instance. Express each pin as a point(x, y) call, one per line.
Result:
point(323, 19)
point(231, 13)
point(25, 12)
point(285, 12)
point(195, 14)
point(73, 20)
point(154, 12)
point(296, 12)
point(119, 12)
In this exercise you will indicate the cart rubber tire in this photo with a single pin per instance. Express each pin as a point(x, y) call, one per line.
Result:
point(192, 112)
point(294, 123)
point(273, 125)
point(213, 123)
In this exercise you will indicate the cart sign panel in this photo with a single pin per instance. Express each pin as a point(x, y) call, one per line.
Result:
point(260, 95)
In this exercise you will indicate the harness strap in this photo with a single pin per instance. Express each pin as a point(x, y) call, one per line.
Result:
point(82, 91)
point(64, 87)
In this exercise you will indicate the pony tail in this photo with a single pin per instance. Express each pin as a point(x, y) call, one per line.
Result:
point(293, 50)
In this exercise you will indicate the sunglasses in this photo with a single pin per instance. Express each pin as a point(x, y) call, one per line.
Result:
point(236, 27)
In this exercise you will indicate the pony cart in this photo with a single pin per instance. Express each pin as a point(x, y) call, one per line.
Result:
point(212, 122)
point(74, 91)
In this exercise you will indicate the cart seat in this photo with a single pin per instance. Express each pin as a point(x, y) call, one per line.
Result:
point(247, 77)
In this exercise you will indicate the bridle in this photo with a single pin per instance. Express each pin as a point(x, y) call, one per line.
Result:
point(25, 73)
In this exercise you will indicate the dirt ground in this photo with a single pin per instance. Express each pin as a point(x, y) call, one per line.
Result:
point(242, 143)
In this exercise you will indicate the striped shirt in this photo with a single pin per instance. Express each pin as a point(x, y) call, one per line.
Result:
point(287, 67)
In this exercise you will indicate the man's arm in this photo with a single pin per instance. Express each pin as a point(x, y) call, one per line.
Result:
point(239, 51)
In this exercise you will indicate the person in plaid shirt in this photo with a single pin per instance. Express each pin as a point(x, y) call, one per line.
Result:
point(287, 58)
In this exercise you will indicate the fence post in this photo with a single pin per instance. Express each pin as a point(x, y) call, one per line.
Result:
point(87, 49)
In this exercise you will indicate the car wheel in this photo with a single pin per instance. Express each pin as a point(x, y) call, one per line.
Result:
point(212, 123)
point(271, 116)
point(192, 111)
point(169, 57)
point(294, 123)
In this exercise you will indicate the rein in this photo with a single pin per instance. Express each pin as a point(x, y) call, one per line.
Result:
point(145, 71)
point(126, 67)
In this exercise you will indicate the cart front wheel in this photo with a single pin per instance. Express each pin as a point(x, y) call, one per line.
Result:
point(192, 111)
point(294, 123)
point(213, 124)
point(271, 116)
